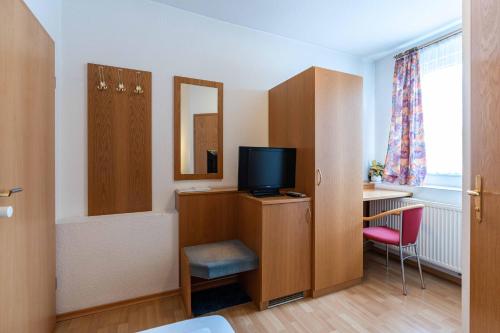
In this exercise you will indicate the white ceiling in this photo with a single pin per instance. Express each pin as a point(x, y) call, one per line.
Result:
point(359, 27)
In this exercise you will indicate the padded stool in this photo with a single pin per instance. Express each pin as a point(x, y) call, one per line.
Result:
point(214, 260)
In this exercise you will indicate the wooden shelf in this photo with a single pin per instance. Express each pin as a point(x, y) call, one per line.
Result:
point(213, 190)
point(283, 199)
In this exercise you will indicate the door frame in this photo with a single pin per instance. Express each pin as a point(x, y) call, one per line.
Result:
point(466, 164)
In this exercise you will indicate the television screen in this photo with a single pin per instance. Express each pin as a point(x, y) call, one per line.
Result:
point(266, 170)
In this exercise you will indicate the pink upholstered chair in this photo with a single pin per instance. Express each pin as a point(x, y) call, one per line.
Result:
point(405, 237)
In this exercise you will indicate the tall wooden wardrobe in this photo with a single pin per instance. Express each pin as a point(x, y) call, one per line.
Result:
point(319, 112)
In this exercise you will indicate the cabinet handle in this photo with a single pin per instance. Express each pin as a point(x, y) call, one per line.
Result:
point(9, 193)
point(308, 215)
point(319, 177)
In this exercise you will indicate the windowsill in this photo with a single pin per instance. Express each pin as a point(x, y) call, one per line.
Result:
point(438, 187)
point(433, 193)
point(431, 187)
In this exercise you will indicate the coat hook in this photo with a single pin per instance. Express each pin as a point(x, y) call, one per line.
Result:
point(102, 83)
point(138, 88)
point(121, 86)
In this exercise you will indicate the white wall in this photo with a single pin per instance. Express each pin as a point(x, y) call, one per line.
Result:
point(166, 41)
point(48, 13)
point(369, 119)
point(110, 258)
point(384, 69)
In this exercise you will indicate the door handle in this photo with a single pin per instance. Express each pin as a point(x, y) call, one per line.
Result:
point(9, 193)
point(319, 177)
point(477, 195)
point(308, 215)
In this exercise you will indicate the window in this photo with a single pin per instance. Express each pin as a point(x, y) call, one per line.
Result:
point(441, 82)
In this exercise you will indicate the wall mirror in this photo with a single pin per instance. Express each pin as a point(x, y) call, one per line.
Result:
point(198, 151)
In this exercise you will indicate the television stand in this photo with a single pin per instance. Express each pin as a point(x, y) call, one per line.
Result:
point(268, 192)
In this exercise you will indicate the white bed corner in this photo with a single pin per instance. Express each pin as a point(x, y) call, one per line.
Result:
point(209, 324)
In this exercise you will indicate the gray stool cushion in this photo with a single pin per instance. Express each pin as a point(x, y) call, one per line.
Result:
point(213, 260)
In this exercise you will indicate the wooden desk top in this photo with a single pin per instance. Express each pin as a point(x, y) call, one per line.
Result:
point(369, 194)
point(379, 194)
point(275, 200)
point(212, 190)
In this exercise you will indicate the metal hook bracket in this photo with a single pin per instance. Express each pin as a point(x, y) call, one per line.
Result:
point(138, 88)
point(102, 83)
point(121, 85)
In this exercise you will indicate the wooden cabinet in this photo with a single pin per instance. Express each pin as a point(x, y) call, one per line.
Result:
point(319, 112)
point(279, 230)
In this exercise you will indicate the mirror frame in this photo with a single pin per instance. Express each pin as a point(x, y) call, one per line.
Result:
point(178, 80)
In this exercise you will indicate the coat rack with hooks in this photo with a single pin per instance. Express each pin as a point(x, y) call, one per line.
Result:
point(119, 140)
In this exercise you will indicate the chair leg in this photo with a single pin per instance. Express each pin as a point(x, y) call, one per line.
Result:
point(419, 267)
point(402, 269)
point(387, 257)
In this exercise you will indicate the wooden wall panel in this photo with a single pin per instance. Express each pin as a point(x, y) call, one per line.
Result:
point(206, 217)
point(119, 142)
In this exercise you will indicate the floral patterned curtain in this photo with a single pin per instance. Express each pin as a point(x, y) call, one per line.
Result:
point(405, 160)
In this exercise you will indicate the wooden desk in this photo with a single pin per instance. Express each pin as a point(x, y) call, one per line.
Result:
point(380, 194)
point(370, 193)
point(278, 229)
point(284, 249)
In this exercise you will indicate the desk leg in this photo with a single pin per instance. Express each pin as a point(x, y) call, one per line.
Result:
point(366, 212)
point(186, 284)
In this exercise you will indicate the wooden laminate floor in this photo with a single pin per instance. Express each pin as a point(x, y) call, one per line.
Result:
point(376, 305)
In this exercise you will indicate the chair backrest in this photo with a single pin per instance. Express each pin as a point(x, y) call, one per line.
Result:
point(412, 218)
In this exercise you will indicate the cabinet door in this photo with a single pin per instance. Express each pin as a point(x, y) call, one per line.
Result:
point(338, 195)
point(286, 249)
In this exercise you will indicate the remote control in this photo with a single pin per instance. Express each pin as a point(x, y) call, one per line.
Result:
point(295, 194)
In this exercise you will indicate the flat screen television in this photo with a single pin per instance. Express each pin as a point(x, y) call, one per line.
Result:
point(264, 171)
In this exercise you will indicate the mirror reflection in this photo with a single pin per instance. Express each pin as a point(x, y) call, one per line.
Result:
point(199, 135)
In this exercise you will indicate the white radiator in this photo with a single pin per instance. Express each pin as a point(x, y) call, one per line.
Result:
point(440, 237)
